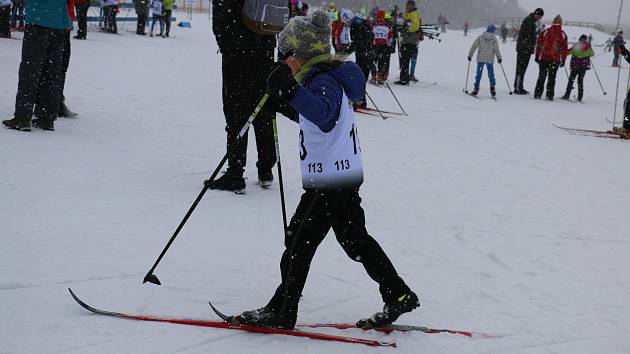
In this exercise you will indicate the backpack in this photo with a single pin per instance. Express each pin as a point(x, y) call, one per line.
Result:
point(265, 17)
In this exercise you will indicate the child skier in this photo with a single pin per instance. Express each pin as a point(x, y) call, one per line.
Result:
point(158, 15)
point(580, 63)
point(383, 39)
point(320, 89)
point(488, 47)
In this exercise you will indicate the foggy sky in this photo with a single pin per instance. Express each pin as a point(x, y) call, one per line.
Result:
point(601, 11)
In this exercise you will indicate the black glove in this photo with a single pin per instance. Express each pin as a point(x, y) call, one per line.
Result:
point(469, 58)
point(280, 82)
point(500, 61)
point(537, 59)
point(561, 64)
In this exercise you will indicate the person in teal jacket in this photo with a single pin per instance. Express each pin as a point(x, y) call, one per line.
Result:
point(47, 22)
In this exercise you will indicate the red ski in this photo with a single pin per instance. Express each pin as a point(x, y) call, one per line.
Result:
point(224, 325)
point(596, 133)
point(371, 113)
point(400, 328)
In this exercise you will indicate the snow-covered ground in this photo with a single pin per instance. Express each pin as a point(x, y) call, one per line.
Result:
point(502, 223)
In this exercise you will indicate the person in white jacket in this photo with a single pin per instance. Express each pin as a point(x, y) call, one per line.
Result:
point(488, 47)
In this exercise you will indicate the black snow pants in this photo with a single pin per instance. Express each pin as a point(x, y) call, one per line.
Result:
point(407, 52)
point(142, 23)
point(244, 84)
point(522, 62)
point(82, 10)
point(547, 71)
point(365, 61)
point(626, 112)
point(579, 74)
point(65, 62)
point(167, 20)
point(5, 21)
point(317, 213)
point(40, 70)
point(383, 55)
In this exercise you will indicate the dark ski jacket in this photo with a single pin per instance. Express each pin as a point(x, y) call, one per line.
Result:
point(362, 37)
point(527, 35)
point(230, 32)
point(319, 98)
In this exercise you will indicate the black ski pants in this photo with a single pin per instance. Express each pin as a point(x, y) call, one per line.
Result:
point(82, 10)
point(407, 52)
point(522, 62)
point(383, 55)
point(142, 23)
point(167, 20)
point(244, 84)
point(364, 60)
point(5, 21)
point(547, 71)
point(626, 115)
point(317, 213)
point(579, 74)
point(65, 62)
point(40, 70)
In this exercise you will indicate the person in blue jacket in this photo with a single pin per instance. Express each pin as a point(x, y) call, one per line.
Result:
point(321, 91)
point(42, 53)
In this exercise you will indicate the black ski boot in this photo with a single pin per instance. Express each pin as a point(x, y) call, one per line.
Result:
point(44, 124)
point(65, 112)
point(265, 178)
point(493, 92)
point(227, 182)
point(391, 312)
point(474, 92)
point(20, 124)
point(401, 82)
point(265, 317)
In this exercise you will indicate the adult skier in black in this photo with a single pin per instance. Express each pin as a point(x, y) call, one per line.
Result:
point(525, 48)
point(363, 47)
point(332, 173)
point(624, 130)
point(246, 60)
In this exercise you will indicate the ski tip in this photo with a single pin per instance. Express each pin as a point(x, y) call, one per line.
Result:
point(219, 313)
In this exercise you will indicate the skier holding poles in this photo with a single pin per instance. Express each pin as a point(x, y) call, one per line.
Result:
point(580, 63)
point(320, 89)
point(488, 47)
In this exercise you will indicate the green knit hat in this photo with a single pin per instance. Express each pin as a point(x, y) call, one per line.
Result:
point(306, 36)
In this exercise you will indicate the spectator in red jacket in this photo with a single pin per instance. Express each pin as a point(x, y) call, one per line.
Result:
point(383, 38)
point(551, 53)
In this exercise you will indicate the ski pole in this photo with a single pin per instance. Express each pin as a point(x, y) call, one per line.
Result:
point(616, 97)
point(376, 107)
point(506, 79)
point(467, 75)
point(284, 209)
point(566, 72)
point(152, 278)
point(598, 80)
point(396, 98)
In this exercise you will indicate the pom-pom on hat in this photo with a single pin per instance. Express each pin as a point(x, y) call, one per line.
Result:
point(306, 36)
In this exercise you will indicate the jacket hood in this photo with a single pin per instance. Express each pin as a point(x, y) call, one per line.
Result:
point(488, 35)
point(351, 78)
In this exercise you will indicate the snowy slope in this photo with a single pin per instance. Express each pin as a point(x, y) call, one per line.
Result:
point(501, 222)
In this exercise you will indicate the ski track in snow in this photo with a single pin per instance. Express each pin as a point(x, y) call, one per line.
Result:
point(502, 223)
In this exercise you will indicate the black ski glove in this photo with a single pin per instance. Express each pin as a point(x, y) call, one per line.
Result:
point(561, 64)
point(469, 59)
point(280, 82)
point(500, 61)
point(537, 60)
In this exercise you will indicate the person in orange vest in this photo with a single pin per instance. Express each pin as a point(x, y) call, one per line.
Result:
point(551, 52)
point(383, 38)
